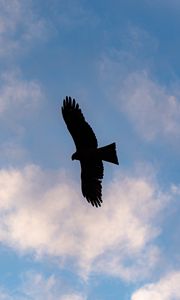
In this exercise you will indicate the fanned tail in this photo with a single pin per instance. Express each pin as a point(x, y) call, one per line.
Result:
point(108, 153)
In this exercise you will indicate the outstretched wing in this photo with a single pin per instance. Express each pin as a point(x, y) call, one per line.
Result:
point(80, 130)
point(91, 175)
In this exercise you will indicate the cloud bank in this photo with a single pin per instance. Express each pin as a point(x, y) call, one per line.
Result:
point(43, 213)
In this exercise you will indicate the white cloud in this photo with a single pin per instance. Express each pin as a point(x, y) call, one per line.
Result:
point(43, 213)
point(167, 288)
point(18, 25)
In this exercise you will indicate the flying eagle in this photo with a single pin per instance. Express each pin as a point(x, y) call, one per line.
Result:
point(87, 151)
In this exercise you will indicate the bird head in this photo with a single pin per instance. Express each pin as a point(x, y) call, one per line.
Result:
point(75, 156)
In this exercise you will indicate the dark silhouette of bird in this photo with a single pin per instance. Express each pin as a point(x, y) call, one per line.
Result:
point(87, 151)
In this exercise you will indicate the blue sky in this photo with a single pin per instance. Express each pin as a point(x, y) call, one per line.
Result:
point(120, 60)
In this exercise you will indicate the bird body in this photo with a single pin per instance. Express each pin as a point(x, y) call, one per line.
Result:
point(106, 153)
point(87, 151)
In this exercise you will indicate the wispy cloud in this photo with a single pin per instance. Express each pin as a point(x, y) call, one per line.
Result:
point(73, 14)
point(165, 289)
point(175, 189)
point(19, 24)
point(37, 286)
point(118, 239)
point(12, 152)
point(20, 100)
point(18, 96)
point(73, 297)
point(153, 110)
point(4, 295)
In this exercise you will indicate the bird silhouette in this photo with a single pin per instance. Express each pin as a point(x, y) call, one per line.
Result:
point(87, 152)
